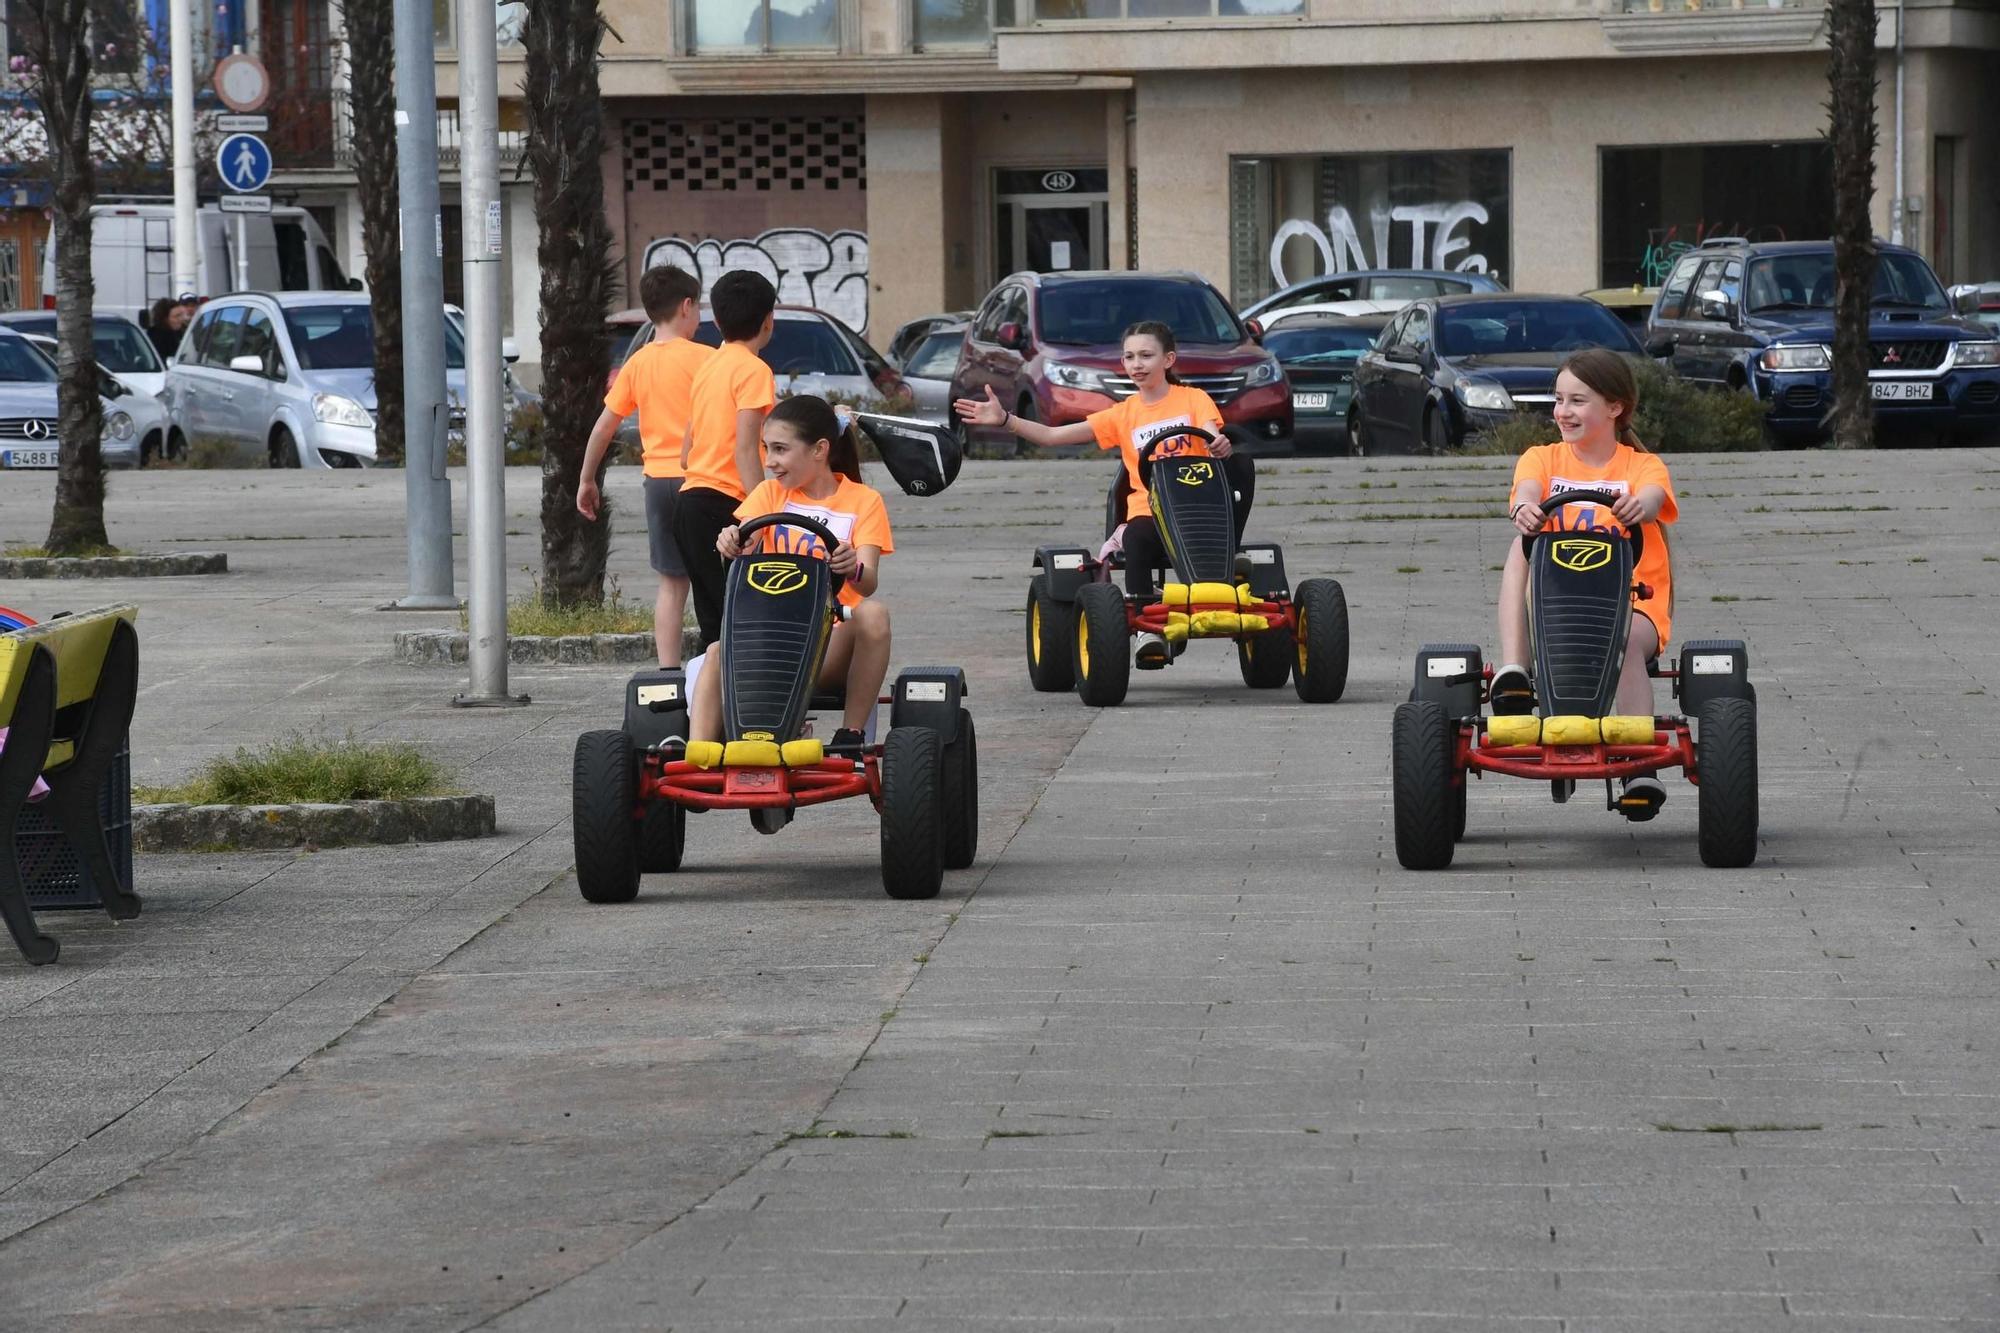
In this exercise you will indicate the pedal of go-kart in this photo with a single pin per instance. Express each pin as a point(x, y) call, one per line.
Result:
point(1641, 799)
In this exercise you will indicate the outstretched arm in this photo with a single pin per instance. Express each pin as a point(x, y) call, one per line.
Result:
point(990, 413)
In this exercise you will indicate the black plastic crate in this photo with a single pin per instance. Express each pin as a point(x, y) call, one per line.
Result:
point(55, 876)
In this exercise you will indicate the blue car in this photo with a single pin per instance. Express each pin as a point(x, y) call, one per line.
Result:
point(1758, 318)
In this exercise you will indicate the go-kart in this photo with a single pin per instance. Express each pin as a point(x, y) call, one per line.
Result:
point(633, 788)
point(1580, 590)
point(1080, 622)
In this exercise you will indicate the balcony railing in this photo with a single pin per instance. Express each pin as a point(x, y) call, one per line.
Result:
point(1714, 6)
point(513, 143)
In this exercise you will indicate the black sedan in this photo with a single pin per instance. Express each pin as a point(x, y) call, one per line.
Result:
point(1318, 351)
point(1455, 365)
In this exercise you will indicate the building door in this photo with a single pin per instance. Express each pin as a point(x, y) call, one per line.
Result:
point(1050, 221)
point(23, 237)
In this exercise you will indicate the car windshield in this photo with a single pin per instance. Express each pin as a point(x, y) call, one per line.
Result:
point(1805, 282)
point(937, 357)
point(122, 348)
point(342, 337)
point(1320, 344)
point(805, 346)
point(1487, 328)
point(1087, 313)
point(19, 363)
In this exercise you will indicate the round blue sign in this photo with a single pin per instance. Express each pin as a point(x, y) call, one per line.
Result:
point(243, 162)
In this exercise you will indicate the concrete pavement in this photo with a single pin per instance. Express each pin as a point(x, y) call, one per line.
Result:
point(1185, 1049)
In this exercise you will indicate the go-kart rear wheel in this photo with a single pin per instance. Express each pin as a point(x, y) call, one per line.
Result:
point(1051, 626)
point(1265, 658)
point(912, 813)
point(1458, 793)
point(1320, 672)
point(1726, 764)
point(601, 799)
point(1103, 646)
point(662, 838)
point(1422, 742)
point(961, 796)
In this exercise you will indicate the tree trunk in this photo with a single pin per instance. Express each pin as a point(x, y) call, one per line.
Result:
point(1851, 134)
point(565, 145)
point(371, 49)
point(56, 39)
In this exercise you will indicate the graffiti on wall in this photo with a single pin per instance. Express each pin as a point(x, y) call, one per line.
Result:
point(1406, 236)
point(1666, 244)
point(828, 272)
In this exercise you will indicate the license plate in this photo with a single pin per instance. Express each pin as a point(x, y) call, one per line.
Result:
point(29, 457)
point(1903, 391)
point(1311, 402)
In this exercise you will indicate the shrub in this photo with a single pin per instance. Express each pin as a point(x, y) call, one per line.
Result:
point(1674, 417)
point(299, 768)
point(211, 453)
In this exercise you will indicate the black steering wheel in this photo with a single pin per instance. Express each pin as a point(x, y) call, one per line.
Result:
point(805, 523)
point(1554, 504)
point(1170, 433)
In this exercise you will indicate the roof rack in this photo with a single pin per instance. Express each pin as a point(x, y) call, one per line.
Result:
point(1716, 241)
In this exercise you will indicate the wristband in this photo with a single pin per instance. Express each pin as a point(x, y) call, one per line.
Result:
point(1008, 423)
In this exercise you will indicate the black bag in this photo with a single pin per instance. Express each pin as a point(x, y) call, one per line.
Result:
point(922, 456)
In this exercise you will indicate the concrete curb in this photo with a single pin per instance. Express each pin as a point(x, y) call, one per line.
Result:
point(113, 566)
point(188, 828)
point(441, 647)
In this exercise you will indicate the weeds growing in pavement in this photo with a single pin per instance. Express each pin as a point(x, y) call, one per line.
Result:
point(303, 769)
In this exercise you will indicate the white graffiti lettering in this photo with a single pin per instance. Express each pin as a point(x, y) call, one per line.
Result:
point(1436, 239)
point(807, 267)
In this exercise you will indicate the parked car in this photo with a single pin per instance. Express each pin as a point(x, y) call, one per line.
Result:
point(812, 352)
point(1318, 349)
point(288, 379)
point(1978, 301)
point(30, 434)
point(1633, 304)
point(135, 422)
point(929, 367)
point(1757, 317)
point(1453, 365)
point(122, 346)
point(1049, 344)
point(1375, 284)
point(908, 337)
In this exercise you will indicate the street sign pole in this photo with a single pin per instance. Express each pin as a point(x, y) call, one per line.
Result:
point(426, 487)
point(180, 36)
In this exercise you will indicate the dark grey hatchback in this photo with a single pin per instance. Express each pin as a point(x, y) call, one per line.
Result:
point(1454, 365)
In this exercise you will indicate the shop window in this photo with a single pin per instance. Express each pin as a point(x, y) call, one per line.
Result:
point(766, 25)
point(1297, 218)
point(1060, 10)
point(959, 22)
point(1659, 203)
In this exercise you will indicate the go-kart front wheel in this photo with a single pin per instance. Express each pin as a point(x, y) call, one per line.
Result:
point(1320, 672)
point(1103, 646)
point(1051, 664)
point(913, 814)
point(601, 799)
point(662, 838)
point(1265, 658)
point(1422, 740)
point(1726, 765)
point(961, 796)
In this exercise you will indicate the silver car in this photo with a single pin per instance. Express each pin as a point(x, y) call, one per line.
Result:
point(288, 379)
point(135, 421)
point(929, 367)
point(122, 346)
point(812, 352)
point(29, 434)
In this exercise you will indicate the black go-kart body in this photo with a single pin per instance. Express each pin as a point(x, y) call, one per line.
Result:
point(634, 787)
point(1580, 594)
point(1080, 622)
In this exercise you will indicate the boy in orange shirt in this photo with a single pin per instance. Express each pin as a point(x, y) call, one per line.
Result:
point(658, 383)
point(723, 453)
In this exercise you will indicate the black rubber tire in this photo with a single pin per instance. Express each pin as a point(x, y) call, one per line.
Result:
point(1357, 443)
point(912, 813)
point(1421, 737)
point(1103, 655)
point(1437, 434)
point(1320, 672)
point(1726, 763)
point(284, 449)
point(1458, 794)
point(149, 449)
point(662, 838)
point(177, 445)
point(961, 796)
point(607, 837)
point(1265, 658)
point(1052, 661)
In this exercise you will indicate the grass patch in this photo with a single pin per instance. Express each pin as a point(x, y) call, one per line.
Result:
point(531, 616)
point(44, 553)
point(300, 769)
point(1409, 569)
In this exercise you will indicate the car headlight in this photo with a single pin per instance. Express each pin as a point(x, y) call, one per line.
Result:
point(1487, 397)
point(339, 410)
point(117, 426)
point(1264, 372)
point(1075, 377)
point(1797, 356)
point(1985, 353)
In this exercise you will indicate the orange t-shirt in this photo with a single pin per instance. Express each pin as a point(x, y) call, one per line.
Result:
point(1555, 467)
point(1127, 426)
point(734, 380)
point(854, 513)
point(657, 382)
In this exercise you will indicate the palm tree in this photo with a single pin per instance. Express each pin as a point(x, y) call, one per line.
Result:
point(56, 35)
point(1851, 134)
point(371, 53)
point(565, 148)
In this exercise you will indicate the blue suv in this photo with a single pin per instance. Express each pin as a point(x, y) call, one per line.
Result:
point(1758, 318)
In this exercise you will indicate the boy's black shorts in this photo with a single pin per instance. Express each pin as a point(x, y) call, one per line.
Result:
point(661, 493)
point(700, 515)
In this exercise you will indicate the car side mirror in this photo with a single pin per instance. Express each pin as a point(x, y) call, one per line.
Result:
point(253, 365)
point(1404, 354)
point(1256, 328)
point(1015, 338)
point(1965, 299)
point(1661, 346)
point(510, 351)
point(1717, 305)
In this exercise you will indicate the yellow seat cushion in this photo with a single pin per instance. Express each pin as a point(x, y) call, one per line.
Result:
point(803, 753)
point(1628, 730)
point(752, 754)
point(1215, 624)
point(1522, 730)
point(1570, 731)
point(704, 754)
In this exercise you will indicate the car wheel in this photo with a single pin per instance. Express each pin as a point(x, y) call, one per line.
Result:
point(1356, 446)
point(149, 449)
point(177, 446)
point(284, 449)
point(1437, 433)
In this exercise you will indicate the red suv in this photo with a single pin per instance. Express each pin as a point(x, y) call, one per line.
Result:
point(1049, 345)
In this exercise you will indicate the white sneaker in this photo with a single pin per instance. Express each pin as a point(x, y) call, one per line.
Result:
point(1151, 653)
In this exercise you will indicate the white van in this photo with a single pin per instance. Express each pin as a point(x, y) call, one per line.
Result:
point(132, 255)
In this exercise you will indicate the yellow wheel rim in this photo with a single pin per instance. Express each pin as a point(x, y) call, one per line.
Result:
point(1083, 647)
point(1302, 643)
point(1035, 632)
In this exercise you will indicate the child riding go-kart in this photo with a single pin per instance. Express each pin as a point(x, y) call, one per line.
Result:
point(1080, 624)
point(633, 788)
point(1580, 596)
